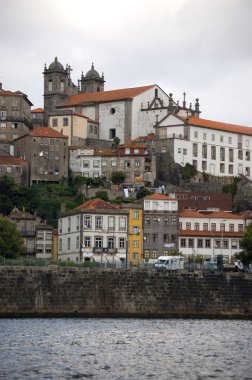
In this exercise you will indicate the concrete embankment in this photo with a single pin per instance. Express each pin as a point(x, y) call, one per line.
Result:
point(59, 292)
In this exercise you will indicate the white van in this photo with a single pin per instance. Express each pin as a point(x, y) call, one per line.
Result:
point(170, 262)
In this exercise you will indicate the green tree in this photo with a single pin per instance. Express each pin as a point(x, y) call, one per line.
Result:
point(102, 194)
point(11, 243)
point(142, 193)
point(117, 177)
point(116, 142)
point(246, 244)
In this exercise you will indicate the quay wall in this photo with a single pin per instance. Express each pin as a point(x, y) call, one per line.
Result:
point(88, 292)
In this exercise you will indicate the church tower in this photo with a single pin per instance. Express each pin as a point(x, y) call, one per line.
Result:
point(91, 82)
point(57, 86)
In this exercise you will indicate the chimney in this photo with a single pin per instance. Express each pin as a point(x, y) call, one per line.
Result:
point(184, 101)
point(197, 110)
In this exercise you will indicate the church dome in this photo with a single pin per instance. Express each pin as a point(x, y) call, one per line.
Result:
point(56, 65)
point(92, 73)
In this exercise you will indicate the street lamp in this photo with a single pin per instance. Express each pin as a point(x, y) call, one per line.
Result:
point(222, 222)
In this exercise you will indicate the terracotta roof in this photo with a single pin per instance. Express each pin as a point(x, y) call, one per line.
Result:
point(38, 110)
point(16, 93)
point(160, 197)
point(220, 126)
point(9, 160)
point(210, 215)
point(131, 144)
point(46, 132)
point(150, 136)
point(210, 233)
point(96, 204)
point(85, 117)
point(106, 96)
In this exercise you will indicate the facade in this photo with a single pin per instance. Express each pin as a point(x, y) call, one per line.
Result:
point(37, 118)
point(135, 236)
point(26, 225)
point(46, 152)
point(133, 160)
point(94, 231)
point(204, 201)
point(15, 114)
point(219, 149)
point(16, 168)
point(76, 126)
point(44, 241)
point(160, 226)
point(210, 234)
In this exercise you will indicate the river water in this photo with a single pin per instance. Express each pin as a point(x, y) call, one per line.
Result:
point(133, 349)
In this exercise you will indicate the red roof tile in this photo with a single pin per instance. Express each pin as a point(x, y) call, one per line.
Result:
point(38, 110)
point(210, 233)
point(160, 197)
point(210, 215)
point(94, 204)
point(46, 132)
point(218, 125)
point(106, 96)
point(9, 160)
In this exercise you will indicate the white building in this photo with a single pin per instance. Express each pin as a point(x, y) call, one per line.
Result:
point(210, 234)
point(83, 162)
point(212, 147)
point(94, 231)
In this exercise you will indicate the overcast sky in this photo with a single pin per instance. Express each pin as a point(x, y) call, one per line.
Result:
point(202, 47)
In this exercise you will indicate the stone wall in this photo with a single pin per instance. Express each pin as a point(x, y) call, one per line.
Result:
point(36, 291)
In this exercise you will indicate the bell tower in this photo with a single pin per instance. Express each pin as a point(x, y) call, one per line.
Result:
point(91, 82)
point(56, 86)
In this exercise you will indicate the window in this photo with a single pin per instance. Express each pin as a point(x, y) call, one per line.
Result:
point(113, 163)
point(85, 164)
point(240, 155)
point(185, 152)
point(40, 235)
point(155, 221)
point(166, 238)
point(191, 243)
point(174, 222)
point(135, 243)
point(183, 242)
point(247, 155)
point(111, 242)
point(87, 221)
point(154, 237)
point(68, 243)
point(3, 125)
point(240, 227)
point(136, 151)
point(112, 133)
point(98, 222)
point(217, 244)
point(195, 150)
point(155, 205)
point(208, 243)
point(188, 225)
point(95, 130)
point(231, 227)
point(205, 227)
point(195, 134)
point(127, 164)
point(60, 225)
point(87, 241)
point(65, 121)
point(135, 256)
point(137, 163)
point(225, 244)
point(111, 222)
point(122, 243)
point(196, 226)
point(199, 243)
point(60, 244)
point(136, 230)
point(180, 226)
point(146, 237)
point(54, 122)
point(3, 115)
point(234, 244)
point(48, 236)
point(146, 254)
point(213, 137)
point(213, 152)
point(213, 226)
point(230, 140)
point(98, 242)
point(78, 222)
point(222, 168)
point(222, 227)
point(122, 224)
point(204, 136)
point(166, 221)
point(136, 215)
point(230, 169)
point(77, 242)
point(61, 85)
point(90, 129)
point(112, 111)
point(154, 254)
point(221, 139)
point(127, 150)
point(39, 248)
point(50, 85)
point(69, 224)
point(96, 163)
point(147, 221)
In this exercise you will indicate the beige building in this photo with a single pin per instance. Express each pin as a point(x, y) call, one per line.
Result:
point(46, 152)
point(74, 125)
point(15, 114)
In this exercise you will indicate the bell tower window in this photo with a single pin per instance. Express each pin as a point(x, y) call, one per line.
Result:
point(62, 86)
point(50, 85)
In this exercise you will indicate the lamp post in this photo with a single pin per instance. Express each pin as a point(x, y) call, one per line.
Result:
point(222, 221)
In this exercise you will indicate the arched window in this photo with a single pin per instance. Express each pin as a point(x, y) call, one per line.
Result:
point(61, 85)
point(50, 85)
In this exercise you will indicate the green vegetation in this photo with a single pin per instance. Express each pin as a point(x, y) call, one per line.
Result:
point(102, 194)
point(11, 243)
point(142, 193)
point(246, 243)
point(232, 188)
point(117, 177)
point(187, 171)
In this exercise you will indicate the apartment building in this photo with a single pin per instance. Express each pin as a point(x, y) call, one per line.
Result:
point(94, 231)
point(15, 168)
point(210, 234)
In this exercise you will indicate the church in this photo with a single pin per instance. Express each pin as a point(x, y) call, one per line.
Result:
point(121, 113)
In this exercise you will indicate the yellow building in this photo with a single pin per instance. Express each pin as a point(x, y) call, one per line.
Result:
point(135, 239)
point(55, 245)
